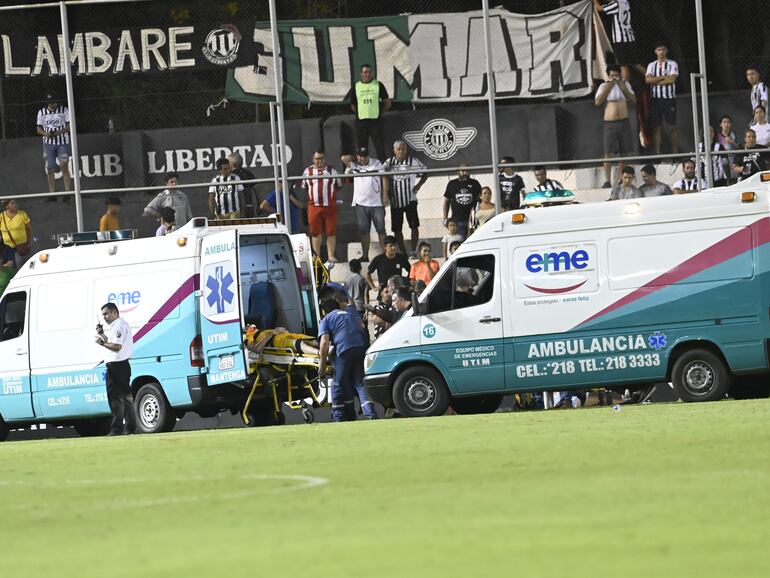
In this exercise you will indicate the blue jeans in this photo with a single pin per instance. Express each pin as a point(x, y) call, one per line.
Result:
point(54, 152)
point(349, 372)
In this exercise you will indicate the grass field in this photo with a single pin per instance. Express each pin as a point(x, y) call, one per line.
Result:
point(663, 490)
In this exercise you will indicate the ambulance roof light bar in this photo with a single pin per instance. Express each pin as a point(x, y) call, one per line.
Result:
point(93, 237)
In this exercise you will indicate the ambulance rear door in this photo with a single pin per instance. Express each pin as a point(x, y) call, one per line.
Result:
point(303, 255)
point(221, 308)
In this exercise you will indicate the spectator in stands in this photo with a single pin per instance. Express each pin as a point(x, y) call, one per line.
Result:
point(7, 266)
point(357, 287)
point(511, 186)
point(322, 204)
point(401, 189)
point(16, 228)
point(544, 183)
point(109, 220)
point(450, 237)
point(758, 89)
point(623, 37)
point(426, 268)
point(377, 311)
point(453, 246)
point(661, 75)
point(249, 207)
point(615, 95)
point(626, 188)
point(461, 195)
point(689, 182)
point(171, 197)
point(719, 163)
point(167, 221)
point(484, 210)
point(368, 197)
point(53, 124)
point(761, 127)
point(273, 203)
point(368, 100)
point(652, 187)
point(750, 163)
point(419, 287)
point(727, 139)
point(225, 192)
point(397, 282)
point(387, 264)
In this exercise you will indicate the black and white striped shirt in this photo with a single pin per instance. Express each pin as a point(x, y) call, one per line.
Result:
point(665, 68)
point(549, 185)
point(53, 120)
point(689, 184)
point(758, 96)
point(402, 186)
point(621, 20)
point(226, 195)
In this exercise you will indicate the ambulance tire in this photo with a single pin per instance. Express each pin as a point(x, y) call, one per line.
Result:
point(420, 391)
point(89, 428)
point(4, 430)
point(477, 404)
point(153, 412)
point(700, 375)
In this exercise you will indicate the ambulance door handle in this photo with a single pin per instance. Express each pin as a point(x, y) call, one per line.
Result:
point(21, 351)
point(490, 320)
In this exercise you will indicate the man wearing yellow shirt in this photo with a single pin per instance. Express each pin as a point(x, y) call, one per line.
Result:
point(109, 220)
point(15, 226)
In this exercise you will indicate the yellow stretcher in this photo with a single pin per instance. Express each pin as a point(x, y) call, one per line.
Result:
point(275, 365)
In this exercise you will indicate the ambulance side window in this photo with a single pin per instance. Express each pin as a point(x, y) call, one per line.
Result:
point(12, 310)
point(469, 282)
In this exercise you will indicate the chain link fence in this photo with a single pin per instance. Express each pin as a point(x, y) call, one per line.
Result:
point(168, 87)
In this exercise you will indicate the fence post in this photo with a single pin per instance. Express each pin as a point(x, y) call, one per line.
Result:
point(73, 125)
point(278, 77)
point(491, 98)
point(704, 92)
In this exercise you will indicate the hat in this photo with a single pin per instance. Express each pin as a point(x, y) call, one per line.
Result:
point(363, 151)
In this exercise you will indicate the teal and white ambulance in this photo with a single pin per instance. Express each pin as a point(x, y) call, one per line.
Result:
point(618, 294)
point(186, 296)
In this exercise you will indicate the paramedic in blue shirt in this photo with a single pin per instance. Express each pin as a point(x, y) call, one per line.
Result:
point(119, 342)
point(343, 330)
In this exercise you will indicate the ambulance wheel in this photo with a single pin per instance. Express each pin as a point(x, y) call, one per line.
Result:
point(308, 415)
point(700, 375)
point(420, 391)
point(477, 404)
point(260, 415)
point(4, 430)
point(153, 412)
point(88, 428)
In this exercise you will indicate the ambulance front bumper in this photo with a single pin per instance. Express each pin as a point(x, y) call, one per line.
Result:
point(378, 388)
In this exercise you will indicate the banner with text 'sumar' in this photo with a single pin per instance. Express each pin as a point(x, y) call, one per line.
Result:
point(426, 58)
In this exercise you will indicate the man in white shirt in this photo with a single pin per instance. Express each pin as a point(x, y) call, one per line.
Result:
point(690, 183)
point(369, 197)
point(758, 89)
point(761, 127)
point(119, 343)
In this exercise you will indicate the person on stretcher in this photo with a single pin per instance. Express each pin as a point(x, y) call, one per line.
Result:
point(280, 338)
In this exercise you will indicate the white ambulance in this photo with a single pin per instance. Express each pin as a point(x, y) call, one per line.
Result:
point(619, 294)
point(186, 296)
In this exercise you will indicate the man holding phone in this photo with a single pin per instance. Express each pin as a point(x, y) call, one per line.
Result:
point(119, 342)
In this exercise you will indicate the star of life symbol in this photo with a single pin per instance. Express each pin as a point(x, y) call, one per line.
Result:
point(440, 139)
point(220, 295)
point(657, 341)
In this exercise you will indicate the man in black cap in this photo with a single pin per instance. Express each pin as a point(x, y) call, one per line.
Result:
point(53, 124)
point(369, 197)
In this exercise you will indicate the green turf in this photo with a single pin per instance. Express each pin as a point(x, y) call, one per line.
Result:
point(664, 490)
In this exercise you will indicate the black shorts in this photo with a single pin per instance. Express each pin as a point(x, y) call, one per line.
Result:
point(662, 110)
point(397, 217)
point(617, 137)
point(626, 53)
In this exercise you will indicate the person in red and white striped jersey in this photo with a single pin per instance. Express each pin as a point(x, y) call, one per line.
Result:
point(225, 192)
point(322, 204)
point(661, 76)
point(53, 124)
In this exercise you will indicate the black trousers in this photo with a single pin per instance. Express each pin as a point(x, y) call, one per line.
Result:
point(372, 127)
point(119, 397)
